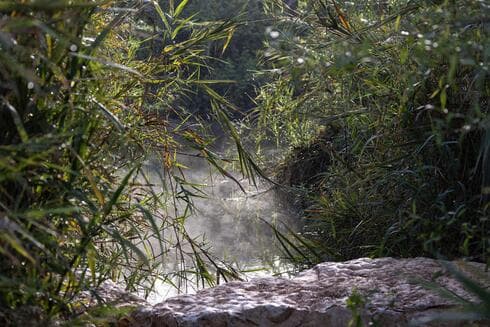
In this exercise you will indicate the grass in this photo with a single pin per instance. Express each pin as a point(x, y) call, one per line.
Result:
point(88, 93)
point(382, 112)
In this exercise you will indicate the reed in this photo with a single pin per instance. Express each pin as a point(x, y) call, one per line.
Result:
point(90, 91)
point(382, 110)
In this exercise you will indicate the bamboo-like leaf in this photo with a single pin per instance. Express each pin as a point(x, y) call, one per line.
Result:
point(110, 115)
point(217, 81)
point(17, 121)
point(397, 23)
point(48, 5)
point(91, 260)
point(125, 243)
point(119, 190)
point(305, 243)
point(180, 7)
point(16, 244)
point(229, 36)
point(181, 25)
point(105, 32)
point(286, 243)
point(247, 165)
point(162, 15)
point(95, 189)
point(156, 230)
point(343, 19)
point(108, 63)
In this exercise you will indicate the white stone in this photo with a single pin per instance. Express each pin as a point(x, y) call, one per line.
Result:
point(317, 297)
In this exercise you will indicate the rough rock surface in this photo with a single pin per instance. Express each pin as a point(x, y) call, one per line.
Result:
point(390, 288)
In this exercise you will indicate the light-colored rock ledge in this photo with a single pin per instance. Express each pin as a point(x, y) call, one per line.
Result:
point(391, 290)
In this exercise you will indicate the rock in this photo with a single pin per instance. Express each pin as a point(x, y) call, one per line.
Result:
point(388, 293)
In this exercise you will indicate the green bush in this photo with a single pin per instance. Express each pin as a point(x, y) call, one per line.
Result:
point(392, 99)
point(84, 101)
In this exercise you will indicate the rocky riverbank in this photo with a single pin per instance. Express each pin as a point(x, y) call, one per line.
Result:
point(384, 292)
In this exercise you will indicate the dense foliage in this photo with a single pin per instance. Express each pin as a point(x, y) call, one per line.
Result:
point(379, 109)
point(384, 107)
point(88, 92)
point(237, 65)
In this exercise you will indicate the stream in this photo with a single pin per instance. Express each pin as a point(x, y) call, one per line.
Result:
point(231, 223)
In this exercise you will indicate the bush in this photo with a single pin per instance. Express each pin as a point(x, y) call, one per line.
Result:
point(85, 100)
point(392, 98)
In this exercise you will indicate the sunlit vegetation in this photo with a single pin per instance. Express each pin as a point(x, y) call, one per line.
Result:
point(89, 91)
point(383, 106)
point(377, 112)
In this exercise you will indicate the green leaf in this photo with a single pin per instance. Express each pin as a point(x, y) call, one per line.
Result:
point(111, 116)
point(229, 36)
point(16, 244)
point(182, 24)
point(162, 16)
point(125, 243)
point(109, 64)
point(180, 7)
point(91, 260)
point(118, 192)
point(403, 55)
point(397, 23)
point(17, 121)
point(443, 98)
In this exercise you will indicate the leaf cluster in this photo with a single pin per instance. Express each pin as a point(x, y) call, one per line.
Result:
point(89, 92)
point(383, 111)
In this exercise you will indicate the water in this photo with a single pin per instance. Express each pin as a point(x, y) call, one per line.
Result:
point(231, 223)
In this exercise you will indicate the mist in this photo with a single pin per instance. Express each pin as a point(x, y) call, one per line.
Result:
point(230, 222)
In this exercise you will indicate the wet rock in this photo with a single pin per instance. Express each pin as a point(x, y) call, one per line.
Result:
point(388, 292)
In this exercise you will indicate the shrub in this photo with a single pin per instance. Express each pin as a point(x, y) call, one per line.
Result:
point(84, 101)
point(392, 98)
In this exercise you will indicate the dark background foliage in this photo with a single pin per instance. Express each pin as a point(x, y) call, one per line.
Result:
point(238, 62)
